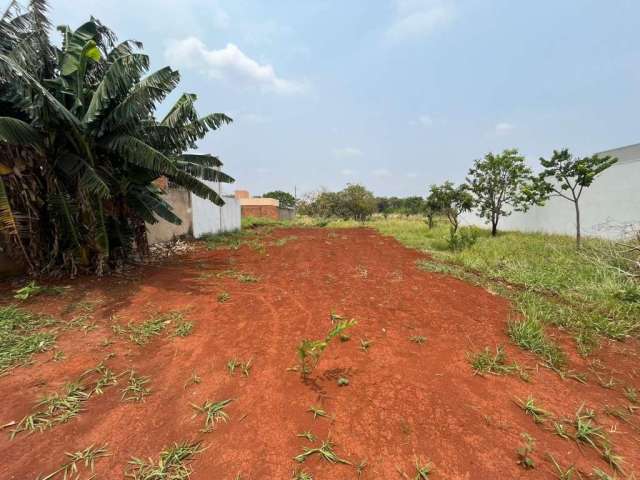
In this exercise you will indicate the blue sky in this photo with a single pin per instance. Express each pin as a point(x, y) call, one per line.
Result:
point(394, 94)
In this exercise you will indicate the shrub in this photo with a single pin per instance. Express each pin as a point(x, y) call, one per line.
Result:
point(462, 238)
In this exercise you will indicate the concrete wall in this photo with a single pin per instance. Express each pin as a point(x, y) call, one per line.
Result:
point(609, 208)
point(285, 213)
point(209, 218)
point(164, 231)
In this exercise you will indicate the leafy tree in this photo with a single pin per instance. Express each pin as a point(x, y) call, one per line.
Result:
point(413, 205)
point(285, 198)
point(383, 206)
point(451, 201)
point(502, 183)
point(571, 175)
point(355, 202)
point(81, 148)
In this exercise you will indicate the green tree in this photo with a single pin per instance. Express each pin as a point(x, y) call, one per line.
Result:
point(570, 176)
point(80, 146)
point(355, 202)
point(451, 201)
point(413, 205)
point(285, 198)
point(500, 184)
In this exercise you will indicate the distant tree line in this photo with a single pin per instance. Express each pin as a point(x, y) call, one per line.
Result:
point(495, 187)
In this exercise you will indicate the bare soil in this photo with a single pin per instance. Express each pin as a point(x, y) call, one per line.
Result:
point(404, 400)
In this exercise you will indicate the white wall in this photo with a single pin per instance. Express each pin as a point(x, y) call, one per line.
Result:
point(209, 218)
point(607, 209)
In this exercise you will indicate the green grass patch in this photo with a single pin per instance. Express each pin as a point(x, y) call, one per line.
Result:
point(172, 464)
point(22, 335)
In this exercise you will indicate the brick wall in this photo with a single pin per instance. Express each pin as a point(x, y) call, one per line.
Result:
point(260, 211)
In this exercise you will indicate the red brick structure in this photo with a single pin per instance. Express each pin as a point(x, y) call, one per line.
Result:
point(257, 207)
point(260, 211)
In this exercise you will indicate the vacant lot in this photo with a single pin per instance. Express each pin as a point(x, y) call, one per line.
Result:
point(396, 389)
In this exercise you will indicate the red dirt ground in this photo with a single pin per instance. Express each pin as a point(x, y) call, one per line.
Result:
point(404, 400)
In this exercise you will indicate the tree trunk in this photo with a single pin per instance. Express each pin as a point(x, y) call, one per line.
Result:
point(577, 224)
point(430, 220)
point(494, 227)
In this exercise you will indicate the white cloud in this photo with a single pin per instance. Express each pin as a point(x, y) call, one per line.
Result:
point(381, 172)
point(347, 172)
point(347, 152)
point(420, 18)
point(423, 121)
point(504, 128)
point(230, 64)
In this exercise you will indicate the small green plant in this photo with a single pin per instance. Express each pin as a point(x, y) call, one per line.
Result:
point(53, 410)
point(136, 389)
point(223, 297)
point(462, 238)
point(612, 458)
point(524, 452)
point(561, 430)
point(105, 378)
point(234, 364)
point(183, 329)
point(365, 344)
point(343, 381)
point(58, 356)
point(419, 339)
point(22, 336)
point(586, 430)
point(487, 362)
point(308, 435)
point(172, 464)
point(632, 394)
point(31, 289)
point(141, 334)
point(247, 278)
point(423, 470)
point(194, 379)
point(530, 408)
point(602, 475)
point(213, 412)
point(325, 451)
point(302, 475)
point(317, 412)
point(309, 351)
point(562, 473)
point(529, 335)
point(70, 469)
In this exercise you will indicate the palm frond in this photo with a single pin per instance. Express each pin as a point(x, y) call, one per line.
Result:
point(196, 187)
point(205, 173)
point(141, 101)
point(19, 75)
point(16, 132)
point(181, 112)
point(206, 160)
point(117, 81)
point(139, 153)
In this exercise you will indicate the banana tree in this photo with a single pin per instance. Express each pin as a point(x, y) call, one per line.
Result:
point(82, 146)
